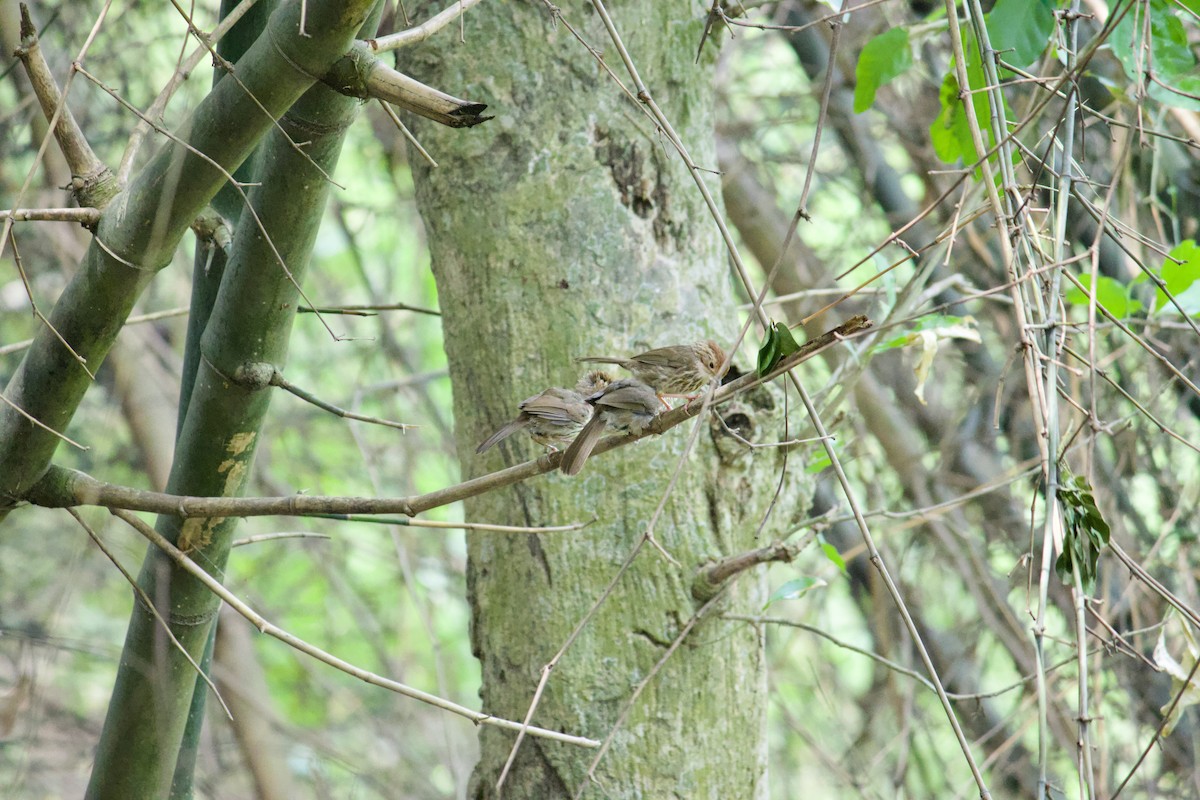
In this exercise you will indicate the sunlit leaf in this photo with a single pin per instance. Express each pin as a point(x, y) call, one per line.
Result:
point(1184, 683)
point(794, 590)
point(926, 334)
point(818, 464)
point(883, 58)
point(1020, 29)
point(1180, 272)
point(831, 553)
point(1110, 293)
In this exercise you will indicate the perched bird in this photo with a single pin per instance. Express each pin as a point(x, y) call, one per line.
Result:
point(626, 406)
point(677, 370)
point(554, 415)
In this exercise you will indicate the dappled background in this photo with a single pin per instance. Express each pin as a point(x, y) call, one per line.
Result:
point(931, 416)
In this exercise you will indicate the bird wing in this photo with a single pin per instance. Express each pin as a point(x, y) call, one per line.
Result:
point(557, 405)
point(629, 397)
point(659, 357)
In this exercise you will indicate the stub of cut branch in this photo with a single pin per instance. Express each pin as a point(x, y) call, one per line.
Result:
point(361, 74)
point(712, 577)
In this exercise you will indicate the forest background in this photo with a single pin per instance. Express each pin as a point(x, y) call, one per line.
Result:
point(850, 580)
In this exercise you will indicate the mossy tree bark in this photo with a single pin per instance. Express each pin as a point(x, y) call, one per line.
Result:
point(563, 228)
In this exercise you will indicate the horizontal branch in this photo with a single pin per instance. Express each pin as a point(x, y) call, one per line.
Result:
point(61, 487)
point(84, 216)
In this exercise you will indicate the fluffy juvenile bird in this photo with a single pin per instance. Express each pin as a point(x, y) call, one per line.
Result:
point(627, 406)
point(554, 415)
point(676, 370)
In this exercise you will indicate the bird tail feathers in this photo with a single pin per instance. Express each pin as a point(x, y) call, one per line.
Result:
point(573, 460)
point(503, 433)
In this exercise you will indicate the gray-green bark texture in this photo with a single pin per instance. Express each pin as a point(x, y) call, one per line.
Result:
point(567, 227)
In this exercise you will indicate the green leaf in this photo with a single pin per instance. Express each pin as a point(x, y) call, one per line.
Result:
point(794, 590)
point(1085, 533)
point(831, 553)
point(949, 133)
point(768, 353)
point(787, 342)
point(818, 464)
point(1171, 58)
point(1180, 270)
point(1110, 293)
point(779, 344)
point(885, 57)
point(1020, 29)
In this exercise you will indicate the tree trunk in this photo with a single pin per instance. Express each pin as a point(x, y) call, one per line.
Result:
point(567, 227)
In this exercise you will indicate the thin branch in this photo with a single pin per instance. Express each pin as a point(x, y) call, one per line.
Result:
point(215, 586)
point(270, 537)
point(458, 526)
point(391, 85)
point(148, 604)
point(16, 347)
point(278, 380)
point(37, 312)
point(711, 578)
point(549, 666)
point(160, 103)
point(86, 167)
point(42, 425)
point(406, 133)
point(419, 33)
point(235, 184)
point(84, 216)
point(366, 310)
point(892, 665)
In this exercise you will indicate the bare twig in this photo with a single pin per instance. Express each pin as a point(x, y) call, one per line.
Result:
point(700, 614)
point(187, 565)
point(148, 604)
point(406, 133)
point(711, 578)
point(154, 316)
point(458, 526)
point(84, 216)
point(366, 310)
point(419, 33)
point(278, 380)
point(160, 103)
point(270, 537)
